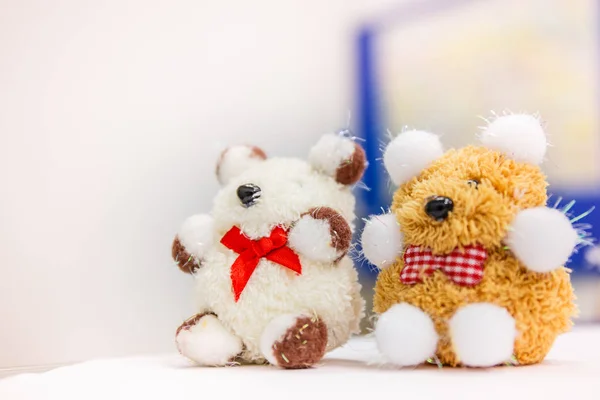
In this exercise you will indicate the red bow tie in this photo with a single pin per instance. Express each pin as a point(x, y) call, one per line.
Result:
point(273, 248)
point(463, 267)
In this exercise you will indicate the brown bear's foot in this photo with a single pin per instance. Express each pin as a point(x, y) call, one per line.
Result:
point(204, 340)
point(405, 335)
point(483, 335)
point(294, 341)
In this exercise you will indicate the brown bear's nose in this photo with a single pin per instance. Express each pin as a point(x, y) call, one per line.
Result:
point(439, 207)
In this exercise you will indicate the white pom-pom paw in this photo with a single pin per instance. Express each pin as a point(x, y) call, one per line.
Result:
point(312, 238)
point(382, 240)
point(405, 335)
point(519, 136)
point(541, 238)
point(208, 343)
point(483, 335)
point(196, 234)
point(237, 159)
point(409, 153)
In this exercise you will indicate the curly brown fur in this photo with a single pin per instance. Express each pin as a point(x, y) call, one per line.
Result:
point(303, 345)
point(541, 304)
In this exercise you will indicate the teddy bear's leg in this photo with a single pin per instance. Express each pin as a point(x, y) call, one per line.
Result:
point(204, 340)
point(406, 335)
point(294, 341)
point(483, 335)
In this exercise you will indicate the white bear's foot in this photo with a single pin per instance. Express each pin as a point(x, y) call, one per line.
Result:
point(406, 335)
point(294, 341)
point(204, 340)
point(483, 335)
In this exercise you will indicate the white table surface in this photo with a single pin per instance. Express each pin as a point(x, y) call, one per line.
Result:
point(571, 371)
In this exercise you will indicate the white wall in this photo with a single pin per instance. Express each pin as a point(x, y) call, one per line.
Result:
point(111, 117)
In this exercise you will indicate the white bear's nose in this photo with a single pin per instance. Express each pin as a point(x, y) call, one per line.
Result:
point(248, 194)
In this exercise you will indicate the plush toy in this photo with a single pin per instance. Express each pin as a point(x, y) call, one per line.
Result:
point(273, 278)
point(471, 259)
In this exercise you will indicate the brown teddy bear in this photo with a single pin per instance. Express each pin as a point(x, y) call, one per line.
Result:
point(472, 260)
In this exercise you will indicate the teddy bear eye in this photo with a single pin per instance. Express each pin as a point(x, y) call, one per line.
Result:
point(473, 183)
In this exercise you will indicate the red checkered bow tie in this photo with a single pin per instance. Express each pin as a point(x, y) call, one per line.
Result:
point(273, 248)
point(463, 267)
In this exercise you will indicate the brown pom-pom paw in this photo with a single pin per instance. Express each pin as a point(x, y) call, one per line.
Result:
point(186, 262)
point(204, 340)
point(321, 234)
point(341, 234)
point(294, 342)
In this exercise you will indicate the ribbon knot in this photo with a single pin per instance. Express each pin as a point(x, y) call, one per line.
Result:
point(273, 248)
point(262, 247)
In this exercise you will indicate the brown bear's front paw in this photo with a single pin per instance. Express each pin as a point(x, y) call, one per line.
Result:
point(185, 261)
point(294, 342)
point(322, 234)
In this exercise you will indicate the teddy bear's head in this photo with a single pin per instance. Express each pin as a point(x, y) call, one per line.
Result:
point(455, 198)
point(258, 192)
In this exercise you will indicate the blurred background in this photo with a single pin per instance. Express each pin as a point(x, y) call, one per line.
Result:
point(112, 115)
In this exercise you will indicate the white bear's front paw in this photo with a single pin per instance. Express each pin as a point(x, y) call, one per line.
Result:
point(381, 240)
point(542, 238)
point(322, 234)
point(196, 234)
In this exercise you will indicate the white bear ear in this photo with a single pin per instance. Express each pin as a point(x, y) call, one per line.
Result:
point(409, 153)
point(340, 157)
point(235, 160)
point(519, 136)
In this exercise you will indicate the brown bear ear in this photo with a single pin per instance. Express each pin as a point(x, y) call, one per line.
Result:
point(519, 136)
point(236, 159)
point(409, 153)
point(340, 157)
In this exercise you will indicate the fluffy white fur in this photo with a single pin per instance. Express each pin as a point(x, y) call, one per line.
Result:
point(273, 333)
point(312, 238)
point(406, 335)
point(208, 343)
point(236, 160)
point(542, 238)
point(382, 240)
point(290, 188)
point(196, 234)
point(520, 136)
point(483, 335)
point(330, 152)
point(409, 153)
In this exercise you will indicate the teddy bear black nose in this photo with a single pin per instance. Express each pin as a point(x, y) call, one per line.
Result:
point(248, 194)
point(439, 207)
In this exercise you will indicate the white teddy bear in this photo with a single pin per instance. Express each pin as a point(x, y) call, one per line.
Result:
point(273, 279)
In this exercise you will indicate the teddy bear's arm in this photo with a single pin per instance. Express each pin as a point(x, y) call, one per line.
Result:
point(382, 241)
point(321, 234)
point(542, 238)
point(192, 241)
